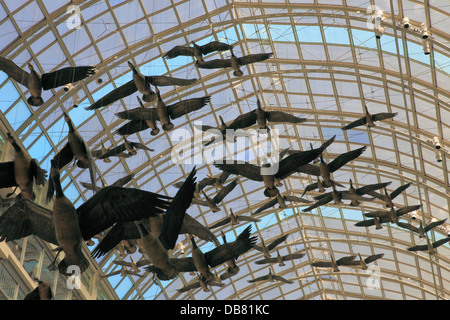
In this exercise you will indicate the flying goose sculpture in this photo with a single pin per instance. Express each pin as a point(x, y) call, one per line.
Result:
point(271, 175)
point(392, 215)
point(201, 283)
point(142, 84)
point(326, 169)
point(430, 247)
point(353, 194)
point(22, 172)
point(123, 272)
point(225, 252)
point(67, 227)
point(35, 82)
point(118, 183)
point(320, 185)
point(98, 154)
point(156, 246)
point(232, 269)
point(197, 51)
point(266, 249)
point(369, 119)
point(162, 113)
point(212, 203)
point(203, 262)
point(233, 219)
point(281, 199)
point(234, 129)
point(75, 148)
point(384, 216)
point(261, 117)
point(363, 262)
point(128, 146)
point(134, 126)
point(388, 197)
point(334, 264)
point(421, 230)
point(42, 292)
point(207, 181)
point(271, 277)
point(288, 151)
point(281, 259)
point(234, 62)
point(223, 131)
point(133, 265)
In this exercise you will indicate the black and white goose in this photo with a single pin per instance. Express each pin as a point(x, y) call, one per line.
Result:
point(281, 199)
point(272, 174)
point(385, 216)
point(281, 260)
point(156, 246)
point(261, 117)
point(118, 183)
point(42, 292)
point(369, 119)
point(388, 197)
point(362, 263)
point(429, 247)
point(129, 231)
point(163, 113)
point(67, 227)
point(234, 62)
point(266, 249)
point(142, 84)
point(421, 230)
point(36, 82)
point(197, 51)
point(203, 262)
point(75, 149)
point(213, 202)
point(233, 219)
point(334, 264)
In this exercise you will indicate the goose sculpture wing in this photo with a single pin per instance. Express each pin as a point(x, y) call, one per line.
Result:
point(120, 231)
point(117, 204)
point(252, 58)
point(132, 127)
point(184, 107)
point(7, 177)
point(25, 218)
point(344, 158)
point(14, 71)
point(175, 214)
point(231, 250)
point(247, 170)
point(116, 94)
point(65, 76)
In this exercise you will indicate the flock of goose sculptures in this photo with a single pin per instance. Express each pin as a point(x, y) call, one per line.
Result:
point(122, 217)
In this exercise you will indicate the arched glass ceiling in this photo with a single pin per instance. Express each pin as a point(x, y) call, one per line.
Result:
point(326, 65)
